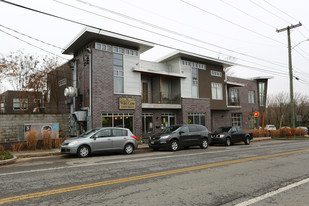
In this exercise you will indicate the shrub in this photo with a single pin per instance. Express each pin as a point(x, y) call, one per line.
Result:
point(5, 155)
point(1, 148)
point(274, 133)
point(17, 147)
point(32, 139)
point(299, 132)
point(284, 132)
point(47, 140)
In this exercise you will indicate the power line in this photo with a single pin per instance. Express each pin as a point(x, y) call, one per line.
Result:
point(167, 30)
point(127, 36)
point(238, 25)
point(33, 45)
point(30, 37)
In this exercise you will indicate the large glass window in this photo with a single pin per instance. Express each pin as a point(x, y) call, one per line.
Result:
point(147, 123)
point(20, 104)
point(168, 120)
point(237, 119)
point(194, 82)
point(251, 97)
point(118, 73)
point(234, 95)
point(262, 93)
point(118, 120)
point(197, 118)
point(216, 91)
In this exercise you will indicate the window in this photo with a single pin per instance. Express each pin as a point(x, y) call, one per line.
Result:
point(216, 91)
point(237, 119)
point(118, 73)
point(104, 133)
point(251, 97)
point(118, 120)
point(197, 118)
point(2, 109)
point(234, 96)
point(194, 82)
point(147, 123)
point(216, 73)
point(119, 132)
point(262, 93)
point(185, 129)
point(20, 104)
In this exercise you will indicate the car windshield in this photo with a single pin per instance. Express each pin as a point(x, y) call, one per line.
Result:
point(171, 129)
point(88, 132)
point(223, 129)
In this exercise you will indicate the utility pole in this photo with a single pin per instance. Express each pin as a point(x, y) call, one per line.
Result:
point(290, 70)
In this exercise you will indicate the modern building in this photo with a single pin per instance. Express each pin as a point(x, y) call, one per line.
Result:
point(115, 87)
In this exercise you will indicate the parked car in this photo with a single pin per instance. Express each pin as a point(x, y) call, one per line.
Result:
point(270, 127)
point(100, 140)
point(230, 135)
point(180, 136)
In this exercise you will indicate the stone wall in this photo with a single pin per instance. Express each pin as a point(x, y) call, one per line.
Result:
point(12, 125)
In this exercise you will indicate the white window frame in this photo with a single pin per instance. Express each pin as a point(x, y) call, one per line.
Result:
point(216, 91)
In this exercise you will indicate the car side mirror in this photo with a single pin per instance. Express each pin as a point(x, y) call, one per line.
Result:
point(94, 137)
point(181, 132)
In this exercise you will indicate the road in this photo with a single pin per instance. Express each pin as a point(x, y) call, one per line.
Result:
point(263, 173)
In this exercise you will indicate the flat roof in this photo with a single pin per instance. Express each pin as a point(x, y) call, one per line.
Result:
point(87, 35)
point(194, 57)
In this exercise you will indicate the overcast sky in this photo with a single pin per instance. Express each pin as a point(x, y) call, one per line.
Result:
point(242, 31)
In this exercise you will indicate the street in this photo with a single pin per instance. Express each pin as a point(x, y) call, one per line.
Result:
point(262, 173)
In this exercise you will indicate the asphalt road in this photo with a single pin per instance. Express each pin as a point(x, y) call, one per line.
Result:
point(263, 173)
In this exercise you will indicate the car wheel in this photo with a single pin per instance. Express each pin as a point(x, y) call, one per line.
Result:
point(247, 141)
point(83, 151)
point(228, 142)
point(128, 149)
point(204, 144)
point(174, 145)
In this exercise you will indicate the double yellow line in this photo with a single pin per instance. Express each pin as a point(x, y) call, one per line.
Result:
point(140, 177)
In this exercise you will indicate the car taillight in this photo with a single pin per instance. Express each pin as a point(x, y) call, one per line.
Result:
point(134, 137)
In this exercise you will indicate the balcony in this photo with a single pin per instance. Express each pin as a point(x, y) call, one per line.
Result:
point(160, 92)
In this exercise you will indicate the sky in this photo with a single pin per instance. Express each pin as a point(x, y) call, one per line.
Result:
point(241, 31)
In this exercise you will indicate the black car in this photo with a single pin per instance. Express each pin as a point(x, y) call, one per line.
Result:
point(180, 136)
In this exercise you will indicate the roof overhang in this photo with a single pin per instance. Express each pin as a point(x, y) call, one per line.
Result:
point(234, 84)
point(194, 57)
point(160, 73)
point(87, 35)
point(262, 78)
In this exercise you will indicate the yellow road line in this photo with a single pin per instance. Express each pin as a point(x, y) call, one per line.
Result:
point(140, 177)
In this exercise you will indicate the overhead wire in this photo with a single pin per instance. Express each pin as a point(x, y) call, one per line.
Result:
point(90, 25)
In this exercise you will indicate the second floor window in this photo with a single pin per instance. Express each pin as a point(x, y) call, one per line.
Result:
point(262, 93)
point(20, 104)
point(194, 82)
point(251, 97)
point(216, 91)
point(234, 95)
point(118, 73)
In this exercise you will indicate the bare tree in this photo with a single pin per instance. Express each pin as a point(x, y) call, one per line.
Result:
point(278, 108)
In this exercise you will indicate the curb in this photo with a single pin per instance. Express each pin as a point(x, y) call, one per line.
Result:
point(9, 161)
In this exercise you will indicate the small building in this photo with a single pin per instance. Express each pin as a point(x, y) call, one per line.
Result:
point(116, 88)
point(20, 102)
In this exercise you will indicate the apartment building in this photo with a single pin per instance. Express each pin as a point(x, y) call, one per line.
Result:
point(114, 87)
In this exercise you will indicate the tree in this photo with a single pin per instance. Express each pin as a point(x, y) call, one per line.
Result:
point(278, 109)
point(27, 72)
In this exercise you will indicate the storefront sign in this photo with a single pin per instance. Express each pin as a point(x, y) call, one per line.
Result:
point(127, 103)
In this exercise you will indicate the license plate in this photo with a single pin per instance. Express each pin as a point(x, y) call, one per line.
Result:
point(152, 142)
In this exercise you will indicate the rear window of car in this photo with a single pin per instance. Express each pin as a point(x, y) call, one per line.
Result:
point(119, 132)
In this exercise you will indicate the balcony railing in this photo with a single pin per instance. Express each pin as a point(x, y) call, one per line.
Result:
point(161, 98)
point(233, 102)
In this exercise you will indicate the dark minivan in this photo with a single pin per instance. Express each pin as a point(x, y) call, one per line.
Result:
point(180, 136)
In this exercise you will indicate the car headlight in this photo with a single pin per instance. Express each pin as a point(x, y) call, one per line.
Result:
point(73, 143)
point(221, 135)
point(165, 137)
